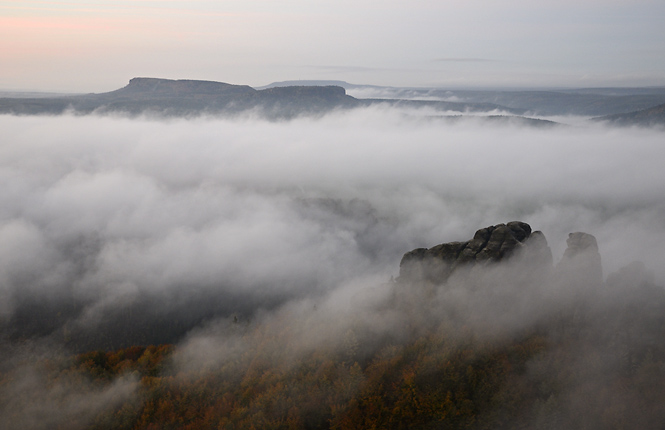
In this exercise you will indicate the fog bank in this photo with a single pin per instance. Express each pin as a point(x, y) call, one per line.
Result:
point(248, 237)
point(105, 213)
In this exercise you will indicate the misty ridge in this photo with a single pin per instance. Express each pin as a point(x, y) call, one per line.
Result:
point(259, 248)
point(292, 99)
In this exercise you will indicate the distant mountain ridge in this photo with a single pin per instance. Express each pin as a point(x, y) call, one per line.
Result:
point(546, 102)
point(651, 117)
point(195, 97)
point(289, 99)
point(166, 87)
point(166, 97)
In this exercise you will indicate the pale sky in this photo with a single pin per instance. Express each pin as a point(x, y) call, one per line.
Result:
point(97, 46)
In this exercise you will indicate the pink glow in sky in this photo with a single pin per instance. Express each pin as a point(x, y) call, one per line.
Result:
point(96, 46)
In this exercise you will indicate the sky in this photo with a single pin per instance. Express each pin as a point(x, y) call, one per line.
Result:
point(97, 46)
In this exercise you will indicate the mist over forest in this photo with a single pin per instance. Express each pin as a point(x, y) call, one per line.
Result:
point(231, 239)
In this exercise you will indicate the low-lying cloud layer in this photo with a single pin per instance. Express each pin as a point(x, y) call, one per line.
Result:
point(107, 211)
point(121, 231)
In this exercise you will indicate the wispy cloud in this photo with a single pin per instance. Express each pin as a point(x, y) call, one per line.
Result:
point(360, 69)
point(345, 69)
point(463, 60)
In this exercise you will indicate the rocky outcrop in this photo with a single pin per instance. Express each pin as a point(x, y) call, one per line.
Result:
point(581, 260)
point(579, 267)
point(489, 245)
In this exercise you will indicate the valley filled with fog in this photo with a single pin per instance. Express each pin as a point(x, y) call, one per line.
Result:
point(122, 231)
point(103, 212)
point(333, 216)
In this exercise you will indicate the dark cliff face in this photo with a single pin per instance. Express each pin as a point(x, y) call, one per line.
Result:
point(489, 245)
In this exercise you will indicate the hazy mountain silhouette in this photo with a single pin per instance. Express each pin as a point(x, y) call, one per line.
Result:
point(654, 116)
point(289, 99)
point(186, 98)
point(167, 97)
point(577, 101)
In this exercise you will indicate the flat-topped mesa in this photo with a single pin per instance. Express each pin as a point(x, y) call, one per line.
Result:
point(490, 244)
point(189, 87)
point(317, 98)
point(157, 87)
point(299, 91)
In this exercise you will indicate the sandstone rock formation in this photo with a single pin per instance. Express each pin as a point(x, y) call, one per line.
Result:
point(489, 245)
point(581, 261)
point(580, 267)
